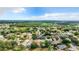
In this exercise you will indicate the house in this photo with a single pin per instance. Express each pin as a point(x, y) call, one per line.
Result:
point(63, 46)
point(2, 37)
point(56, 40)
point(27, 43)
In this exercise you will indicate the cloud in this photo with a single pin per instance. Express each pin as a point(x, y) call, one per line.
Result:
point(57, 16)
point(46, 16)
point(3, 10)
point(18, 10)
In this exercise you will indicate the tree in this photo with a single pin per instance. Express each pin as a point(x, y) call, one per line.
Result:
point(45, 44)
point(13, 37)
point(50, 48)
point(19, 48)
point(76, 33)
point(66, 41)
point(34, 45)
point(34, 36)
point(76, 42)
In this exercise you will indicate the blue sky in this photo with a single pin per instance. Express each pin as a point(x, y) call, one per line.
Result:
point(39, 13)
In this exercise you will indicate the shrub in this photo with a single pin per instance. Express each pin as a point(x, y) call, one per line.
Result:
point(76, 42)
point(19, 48)
point(66, 41)
point(76, 33)
point(34, 45)
point(44, 44)
point(50, 48)
point(34, 36)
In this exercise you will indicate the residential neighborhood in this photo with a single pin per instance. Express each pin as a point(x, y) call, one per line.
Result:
point(39, 36)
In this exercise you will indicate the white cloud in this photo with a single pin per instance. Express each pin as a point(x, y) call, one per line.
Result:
point(11, 9)
point(46, 16)
point(18, 10)
point(57, 16)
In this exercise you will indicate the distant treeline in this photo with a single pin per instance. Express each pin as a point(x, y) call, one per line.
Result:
point(38, 21)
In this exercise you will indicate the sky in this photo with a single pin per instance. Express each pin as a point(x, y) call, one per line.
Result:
point(39, 13)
